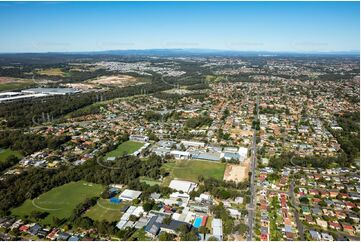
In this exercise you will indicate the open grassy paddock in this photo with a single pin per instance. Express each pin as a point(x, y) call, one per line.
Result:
point(191, 169)
point(105, 210)
point(127, 147)
point(12, 84)
point(60, 201)
point(52, 72)
point(5, 153)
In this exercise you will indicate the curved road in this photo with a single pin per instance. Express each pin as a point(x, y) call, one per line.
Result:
point(291, 194)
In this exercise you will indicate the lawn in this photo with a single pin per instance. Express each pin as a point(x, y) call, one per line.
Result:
point(105, 210)
point(149, 181)
point(213, 78)
point(127, 147)
point(139, 235)
point(5, 153)
point(209, 223)
point(191, 169)
point(60, 201)
point(15, 85)
point(52, 72)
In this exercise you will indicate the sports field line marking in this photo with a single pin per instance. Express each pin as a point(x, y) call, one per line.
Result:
point(113, 209)
point(48, 209)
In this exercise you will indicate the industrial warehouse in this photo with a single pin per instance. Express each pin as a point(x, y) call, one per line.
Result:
point(34, 93)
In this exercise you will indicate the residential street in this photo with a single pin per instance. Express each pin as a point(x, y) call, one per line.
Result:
point(291, 194)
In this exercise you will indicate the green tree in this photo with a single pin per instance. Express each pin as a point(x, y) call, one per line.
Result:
point(167, 220)
point(166, 236)
point(204, 230)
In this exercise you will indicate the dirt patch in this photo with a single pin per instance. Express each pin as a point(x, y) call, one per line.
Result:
point(242, 132)
point(238, 237)
point(119, 80)
point(80, 86)
point(237, 173)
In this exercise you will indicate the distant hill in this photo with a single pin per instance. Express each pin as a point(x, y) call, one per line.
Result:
point(58, 57)
point(213, 52)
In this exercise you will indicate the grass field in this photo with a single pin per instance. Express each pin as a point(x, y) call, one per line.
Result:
point(52, 72)
point(5, 153)
point(15, 85)
point(149, 181)
point(213, 78)
point(209, 223)
point(127, 147)
point(139, 235)
point(60, 201)
point(191, 169)
point(105, 210)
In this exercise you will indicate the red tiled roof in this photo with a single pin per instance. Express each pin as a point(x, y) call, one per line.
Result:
point(24, 228)
point(347, 227)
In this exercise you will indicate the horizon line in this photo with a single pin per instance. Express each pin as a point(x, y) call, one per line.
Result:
point(187, 49)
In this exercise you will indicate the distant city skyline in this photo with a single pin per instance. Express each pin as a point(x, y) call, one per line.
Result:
point(237, 26)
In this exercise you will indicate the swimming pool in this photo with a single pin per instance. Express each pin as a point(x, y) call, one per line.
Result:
point(197, 222)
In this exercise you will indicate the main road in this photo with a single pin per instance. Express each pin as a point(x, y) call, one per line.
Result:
point(251, 205)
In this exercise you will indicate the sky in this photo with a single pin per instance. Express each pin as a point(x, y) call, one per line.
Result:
point(244, 26)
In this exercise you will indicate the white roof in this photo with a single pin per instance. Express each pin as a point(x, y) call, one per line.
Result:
point(205, 196)
point(138, 211)
point(130, 194)
point(189, 217)
point(129, 212)
point(178, 152)
point(184, 186)
point(23, 96)
point(176, 216)
point(217, 228)
point(9, 93)
point(192, 143)
point(121, 224)
point(216, 222)
point(179, 195)
point(238, 199)
point(234, 212)
point(170, 202)
point(230, 149)
point(242, 151)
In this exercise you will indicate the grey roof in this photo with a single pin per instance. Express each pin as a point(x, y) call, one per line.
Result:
point(124, 209)
point(175, 224)
point(206, 156)
point(62, 236)
point(51, 90)
point(34, 230)
point(142, 222)
point(288, 228)
point(314, 234)
point(264, 230)
point(73, 238)
point(153, 226)
point(155, 195)
point(316, 210)
point(231, 155)
point(156, 223)
point(166, 143)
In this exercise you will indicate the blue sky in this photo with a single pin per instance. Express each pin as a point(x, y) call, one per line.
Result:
point(246, 26)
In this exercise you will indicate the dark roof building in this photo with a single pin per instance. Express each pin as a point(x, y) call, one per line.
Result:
point(156, 225)
point(62, 236)
point(35, 229)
